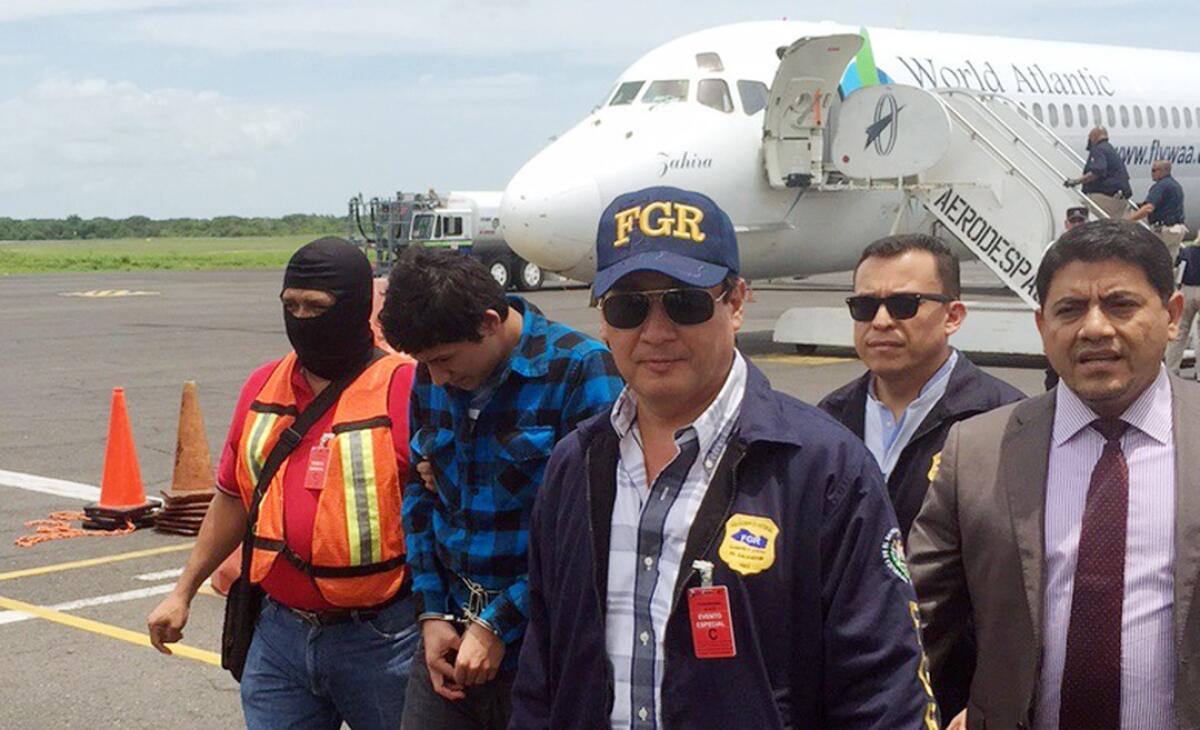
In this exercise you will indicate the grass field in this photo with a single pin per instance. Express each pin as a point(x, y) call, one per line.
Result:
point(131, 254)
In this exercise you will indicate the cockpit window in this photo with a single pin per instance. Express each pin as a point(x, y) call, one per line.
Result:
point(664, 91)
point(626, 92)
point(710, 62)
point(754, 96)
point(715, 93)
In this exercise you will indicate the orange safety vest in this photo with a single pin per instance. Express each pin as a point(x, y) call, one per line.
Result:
point(358, 543)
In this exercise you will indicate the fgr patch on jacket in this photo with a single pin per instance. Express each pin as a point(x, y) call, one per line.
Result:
point(749, 544)
point(892, 552)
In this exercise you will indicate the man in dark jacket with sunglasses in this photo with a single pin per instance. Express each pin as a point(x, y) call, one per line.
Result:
point(905, 307)
point(709, 553)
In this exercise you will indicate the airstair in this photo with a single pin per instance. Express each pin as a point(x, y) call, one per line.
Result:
point(989, 172)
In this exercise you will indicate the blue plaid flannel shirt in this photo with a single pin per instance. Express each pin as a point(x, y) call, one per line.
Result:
point(476, 526)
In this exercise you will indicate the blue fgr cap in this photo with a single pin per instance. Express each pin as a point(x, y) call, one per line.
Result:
point(676, 232)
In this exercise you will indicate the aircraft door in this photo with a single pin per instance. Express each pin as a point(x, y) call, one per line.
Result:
point(798, 107)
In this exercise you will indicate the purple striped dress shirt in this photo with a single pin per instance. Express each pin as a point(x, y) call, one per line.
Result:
point(1147, 648)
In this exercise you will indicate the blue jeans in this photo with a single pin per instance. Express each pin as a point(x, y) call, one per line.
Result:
point(315, 677)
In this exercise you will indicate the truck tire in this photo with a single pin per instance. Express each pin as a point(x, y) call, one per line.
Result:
point(527, 275)
point(498, 268)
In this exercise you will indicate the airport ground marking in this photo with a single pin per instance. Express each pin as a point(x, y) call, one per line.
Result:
point(802, 359)
point(12, 617)
point(46, 485)
point(103, 629)
point(159, 575)
point(89, 562)
point(108, 293)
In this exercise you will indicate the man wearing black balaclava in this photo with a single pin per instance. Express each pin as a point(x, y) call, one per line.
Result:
point(336, 277)
point(336, 633)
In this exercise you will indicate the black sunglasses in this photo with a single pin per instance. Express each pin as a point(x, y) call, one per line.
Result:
point(685, 306)
point(899, 306)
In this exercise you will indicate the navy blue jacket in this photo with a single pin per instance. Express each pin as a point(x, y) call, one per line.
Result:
point(970, 392)
point(1112, 176)
point(825, 635)
point(1191, 256)
point(1166, 195)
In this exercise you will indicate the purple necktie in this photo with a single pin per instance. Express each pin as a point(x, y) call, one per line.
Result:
point(1091, 680)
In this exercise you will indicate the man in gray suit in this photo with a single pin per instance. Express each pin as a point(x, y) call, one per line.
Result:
point(1067, 526)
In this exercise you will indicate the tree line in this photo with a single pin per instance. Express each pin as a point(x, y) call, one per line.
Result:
point(138, 226)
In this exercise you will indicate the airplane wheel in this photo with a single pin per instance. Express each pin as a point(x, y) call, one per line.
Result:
point(529, 276)
point(499, 271)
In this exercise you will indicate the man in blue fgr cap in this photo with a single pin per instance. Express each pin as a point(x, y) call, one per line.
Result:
point(709, 553)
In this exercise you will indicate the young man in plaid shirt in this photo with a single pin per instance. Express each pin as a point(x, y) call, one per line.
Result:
point(497, 387)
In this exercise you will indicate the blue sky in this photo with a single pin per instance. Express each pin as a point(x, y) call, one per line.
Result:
point(266, 107)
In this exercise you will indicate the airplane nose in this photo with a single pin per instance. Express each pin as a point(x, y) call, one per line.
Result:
point(549, 216)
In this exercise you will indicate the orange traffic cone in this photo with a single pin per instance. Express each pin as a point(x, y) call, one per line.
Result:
point(192, 484)
point(227, 572)
point(193, 461)
point(122, 499)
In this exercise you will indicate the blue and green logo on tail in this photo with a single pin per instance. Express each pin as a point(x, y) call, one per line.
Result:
point(862, 70)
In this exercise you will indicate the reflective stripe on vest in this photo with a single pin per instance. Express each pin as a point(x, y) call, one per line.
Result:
point(263, 421)
point(361, 500)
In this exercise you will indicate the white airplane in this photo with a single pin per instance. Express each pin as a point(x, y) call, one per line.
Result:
point(691, 114)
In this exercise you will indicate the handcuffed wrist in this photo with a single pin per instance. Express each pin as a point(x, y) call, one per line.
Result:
point(487, 625)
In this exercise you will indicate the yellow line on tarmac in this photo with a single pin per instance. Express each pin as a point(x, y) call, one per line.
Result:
point(28, 572)
point(802, 359)
point(114, 632)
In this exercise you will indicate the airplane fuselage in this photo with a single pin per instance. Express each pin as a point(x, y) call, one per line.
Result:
point(695, 136)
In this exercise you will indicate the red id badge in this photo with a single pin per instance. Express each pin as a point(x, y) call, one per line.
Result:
point(712, 624)
point(318, 464)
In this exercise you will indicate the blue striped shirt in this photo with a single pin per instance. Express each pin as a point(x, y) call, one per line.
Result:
point(650, 526)
point(488, 469)
point(1147, 646)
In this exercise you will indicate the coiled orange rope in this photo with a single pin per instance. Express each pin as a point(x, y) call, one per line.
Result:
point(59, 527)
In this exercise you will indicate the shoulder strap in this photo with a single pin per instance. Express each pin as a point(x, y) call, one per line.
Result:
point(288, 441)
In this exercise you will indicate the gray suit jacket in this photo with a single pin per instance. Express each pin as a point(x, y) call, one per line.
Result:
point(977, 550)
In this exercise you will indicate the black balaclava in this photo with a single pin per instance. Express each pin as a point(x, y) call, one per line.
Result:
point(339, 340)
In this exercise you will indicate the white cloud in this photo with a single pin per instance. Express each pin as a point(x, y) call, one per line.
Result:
point(581, 31)
point(587, 31)
point(436, 27)
point(11, 10)
point(87, 136)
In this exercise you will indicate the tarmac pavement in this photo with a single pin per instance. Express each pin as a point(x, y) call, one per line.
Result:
point(61, 357)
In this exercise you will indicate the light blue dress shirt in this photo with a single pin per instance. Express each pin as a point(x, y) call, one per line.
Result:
point(886, 436)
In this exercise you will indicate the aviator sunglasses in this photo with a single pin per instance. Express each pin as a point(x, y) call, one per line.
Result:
point(899, 306)
point(685, 306)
